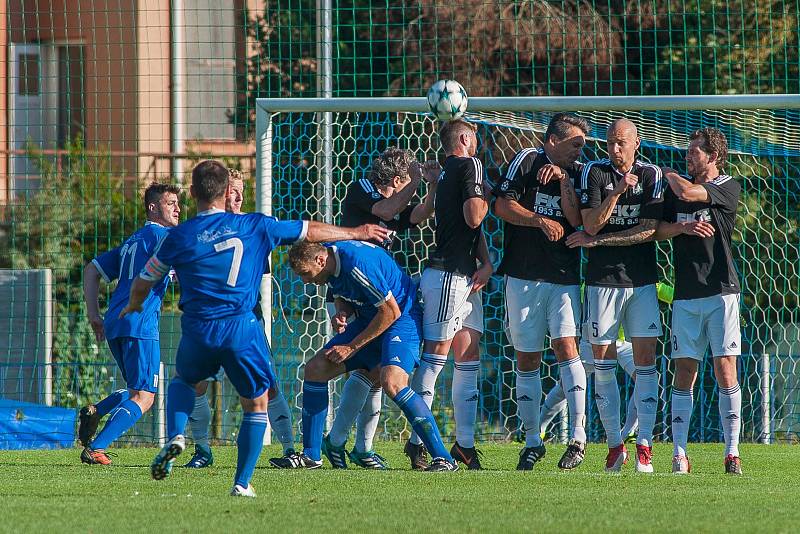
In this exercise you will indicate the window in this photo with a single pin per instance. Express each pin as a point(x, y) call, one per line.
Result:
point(28, 75)
point(71, 94)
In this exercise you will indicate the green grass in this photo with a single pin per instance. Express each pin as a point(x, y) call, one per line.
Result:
point(51, 490)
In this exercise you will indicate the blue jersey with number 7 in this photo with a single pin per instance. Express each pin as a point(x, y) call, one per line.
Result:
point(123, 264)
point(219, 259)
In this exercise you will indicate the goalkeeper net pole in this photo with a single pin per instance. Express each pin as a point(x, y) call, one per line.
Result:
point(309, 150)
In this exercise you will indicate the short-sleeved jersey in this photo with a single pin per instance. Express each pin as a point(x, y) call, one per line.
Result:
point(527, 253)
point(219, 258)
point(124, 263)
point(366, 277)
point(357, 210)
point(629, 266)
point(704, 265)
point(456, 243)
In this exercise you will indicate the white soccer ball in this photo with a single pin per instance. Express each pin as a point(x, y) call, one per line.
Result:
point(447, 100)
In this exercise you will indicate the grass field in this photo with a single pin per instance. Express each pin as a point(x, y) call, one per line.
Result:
point(51, 491)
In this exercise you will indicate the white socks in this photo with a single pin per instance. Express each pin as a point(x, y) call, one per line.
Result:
point(730, 415)
point(465, 402)
point(573, 382)
point(424, 382)
point(607, 399)
point(553, 404)
point(682, 403)
point(354, 394)
point(280, 419)
point(368, 419)
point(646, 392)
point(529, 399)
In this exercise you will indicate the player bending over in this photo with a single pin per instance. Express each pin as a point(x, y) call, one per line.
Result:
point(699, 216)
point(133, 340)
point(219, 258)
point(367, 283)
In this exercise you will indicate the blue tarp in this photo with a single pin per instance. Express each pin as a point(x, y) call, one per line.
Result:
point(25, 425)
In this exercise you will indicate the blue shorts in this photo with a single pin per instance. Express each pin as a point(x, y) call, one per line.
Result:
point(399, 345)
point(138, 359)
point(238, 345)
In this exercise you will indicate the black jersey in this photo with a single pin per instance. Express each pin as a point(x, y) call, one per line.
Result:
point(704, 265)
point(456, 242)
point(527, 253)
point(625, 266)
point(357, 210)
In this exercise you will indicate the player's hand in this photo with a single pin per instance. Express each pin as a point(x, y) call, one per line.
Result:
point(580, 239)
point(371, 232)
point(431, 171)
point(338, 353)
point(339, 322)
point(552, 230)
point(129, 309)
point(628, 181)
point(97, 326)
point(698, 229)
point(415, 171)
point(481, 277)
point(549, 173)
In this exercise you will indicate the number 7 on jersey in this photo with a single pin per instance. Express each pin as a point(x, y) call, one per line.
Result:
point(238, 250)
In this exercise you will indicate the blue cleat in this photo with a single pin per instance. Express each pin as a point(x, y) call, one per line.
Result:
point(202, 458)
point(368, 460)
point(162, 463)
point(337, 456)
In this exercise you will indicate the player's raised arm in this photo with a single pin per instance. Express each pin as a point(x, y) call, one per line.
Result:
point(430, 173)
point(405, 172)
point(91, 290)
point(320, 232)
point(686, 190)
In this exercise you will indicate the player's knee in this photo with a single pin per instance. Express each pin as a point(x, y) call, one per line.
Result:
point(315, 369)
point(393, 380)
point(259, 404)
point(565, 348)
point(685, 373)
point(725, 371)
point(528, 361)
point(144, 399)
point(272, 392)
point(201, 387)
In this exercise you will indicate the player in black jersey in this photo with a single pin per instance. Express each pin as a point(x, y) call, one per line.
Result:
point(621, 204)
point(384, 197)
point(699, 216)
point(536, 198)
point(457, 269)
point(280, 416)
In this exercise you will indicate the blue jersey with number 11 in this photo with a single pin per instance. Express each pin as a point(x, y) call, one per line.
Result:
point(123, 263)
point(219, 259)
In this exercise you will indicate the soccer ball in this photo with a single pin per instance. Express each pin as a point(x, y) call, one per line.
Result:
point(447, 100)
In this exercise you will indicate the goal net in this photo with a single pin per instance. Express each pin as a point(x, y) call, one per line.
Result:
point(309, 151)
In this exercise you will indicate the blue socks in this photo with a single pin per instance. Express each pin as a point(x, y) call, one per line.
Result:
point(180, 403)
point(123, 418)
point(250, 441)
point(422, 421)
point(315, 412)
point(108, 404)
point(199, 420)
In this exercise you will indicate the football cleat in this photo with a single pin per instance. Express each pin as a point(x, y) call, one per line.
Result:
point(644, 459)
point(733, 465)
point(289, 460)
point(95, 457)
point(440, 464)
point(162, 463)
point(573, 456)
point(418, 455)
point(368, 460)
point(617, 457)
point(239, 491)
point(88, 420)
point(470, 456)
point(681, 465)
point(337, 456)
point(529, 456)
point(202, 458)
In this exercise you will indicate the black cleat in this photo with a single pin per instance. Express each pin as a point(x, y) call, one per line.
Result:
point(573, 456)
point(418, 455)
point(88, 420)
point(733, 465)
point(468, 456)
point(529, 456)
point(295, 461)
point(440, 464)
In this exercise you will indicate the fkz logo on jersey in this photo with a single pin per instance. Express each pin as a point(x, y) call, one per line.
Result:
point(703, 215)
point(625, 214)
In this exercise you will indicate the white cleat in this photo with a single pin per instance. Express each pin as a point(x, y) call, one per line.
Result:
point(162, 463)
point(239, 491)
point(680, 465)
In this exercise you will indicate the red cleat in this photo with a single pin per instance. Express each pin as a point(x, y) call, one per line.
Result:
point(617, 457)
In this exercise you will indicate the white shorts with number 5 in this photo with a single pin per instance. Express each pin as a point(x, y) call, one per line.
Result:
point(635, 309)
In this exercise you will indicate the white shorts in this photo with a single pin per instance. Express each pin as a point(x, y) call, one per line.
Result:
point(534, 309)
point(448, 305)
point(698, 322)
point(635, 309)
point(624, 356)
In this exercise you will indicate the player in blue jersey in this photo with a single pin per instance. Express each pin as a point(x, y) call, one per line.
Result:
point(386, 332)
point(219, 258)
point(134, 339)
point(278, 411)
